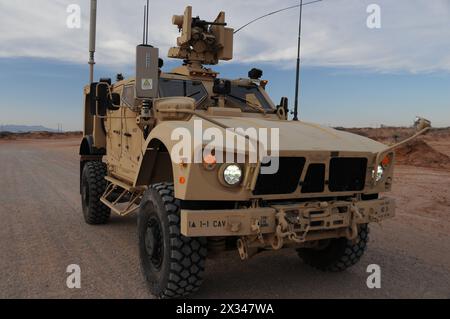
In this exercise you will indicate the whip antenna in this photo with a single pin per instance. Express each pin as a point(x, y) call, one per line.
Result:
point(146, 26)
point(143, 29)
point(297, 73)
point(272, 13)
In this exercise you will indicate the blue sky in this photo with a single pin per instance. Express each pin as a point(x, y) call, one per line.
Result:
point(351, 76)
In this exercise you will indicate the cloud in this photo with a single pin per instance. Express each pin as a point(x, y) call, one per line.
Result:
point(413, 37)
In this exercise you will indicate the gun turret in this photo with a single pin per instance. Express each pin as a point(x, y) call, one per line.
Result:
point(202, 42)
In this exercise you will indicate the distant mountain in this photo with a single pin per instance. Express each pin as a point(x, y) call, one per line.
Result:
point(25, 128)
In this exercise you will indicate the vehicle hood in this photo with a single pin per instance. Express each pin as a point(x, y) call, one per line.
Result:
point(293, 136)
point(305, 136)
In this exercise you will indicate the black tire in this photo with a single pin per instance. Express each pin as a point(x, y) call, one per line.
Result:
point(339, 254)
point(172, 264)
point(93, 185)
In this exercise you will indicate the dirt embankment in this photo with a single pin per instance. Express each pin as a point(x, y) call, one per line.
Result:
point(431, 150)
point(39, 135)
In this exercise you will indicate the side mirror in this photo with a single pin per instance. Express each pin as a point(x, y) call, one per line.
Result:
point(114, 105)
point(283, 108)
point(93, 99)
point(284, 103)
point(103, 100)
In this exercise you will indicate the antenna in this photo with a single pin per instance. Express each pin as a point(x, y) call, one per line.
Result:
point(146, 27)
point(272, 13)
point(145, 19)
point(92, 36)
point(297, 74)
point(145, 31)
point(147, 67)
point(146, 15)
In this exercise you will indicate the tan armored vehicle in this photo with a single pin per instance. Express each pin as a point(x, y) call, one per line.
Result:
point(319, 201)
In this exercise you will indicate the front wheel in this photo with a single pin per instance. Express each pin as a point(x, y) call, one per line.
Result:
point(93, 185)
point(172, 264)
point(337, 254)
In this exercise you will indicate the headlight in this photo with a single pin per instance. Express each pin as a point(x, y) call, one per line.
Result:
point(379, 174)
point(232, 174)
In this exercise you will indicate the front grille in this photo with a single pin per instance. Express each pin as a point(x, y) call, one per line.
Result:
point(285, 181)
point(314, 179)
point(347, 174)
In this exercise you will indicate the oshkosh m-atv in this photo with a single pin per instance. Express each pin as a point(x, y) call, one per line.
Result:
point(320, 200)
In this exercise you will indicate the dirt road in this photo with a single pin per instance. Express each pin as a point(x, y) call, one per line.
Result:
point(42, 232)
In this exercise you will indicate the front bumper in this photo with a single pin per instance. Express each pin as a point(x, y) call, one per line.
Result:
point(298, 222)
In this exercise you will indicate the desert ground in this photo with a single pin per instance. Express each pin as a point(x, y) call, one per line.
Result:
point(42, 232)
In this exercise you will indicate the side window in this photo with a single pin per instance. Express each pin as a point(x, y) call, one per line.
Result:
point(128, 96)
point(193, 89)
point(247, 93)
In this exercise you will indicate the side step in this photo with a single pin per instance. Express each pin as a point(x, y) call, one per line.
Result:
point(130, 193)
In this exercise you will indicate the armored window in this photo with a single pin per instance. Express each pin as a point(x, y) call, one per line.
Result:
point(244, 95)
point(128, 96)
point(193, 89)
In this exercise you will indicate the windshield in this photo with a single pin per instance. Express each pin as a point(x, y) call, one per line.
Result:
point(247, 97)
point(193, 89)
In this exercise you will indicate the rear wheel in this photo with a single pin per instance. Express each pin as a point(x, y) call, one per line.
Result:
point(93, 185)
point(172, 264)
point(337, 254)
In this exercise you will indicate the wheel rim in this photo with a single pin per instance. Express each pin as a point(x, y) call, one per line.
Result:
point(154, 243)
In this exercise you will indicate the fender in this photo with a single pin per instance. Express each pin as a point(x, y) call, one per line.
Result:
point(191, 181)
point(87, 148)
point(88, 153)
point(156, 165)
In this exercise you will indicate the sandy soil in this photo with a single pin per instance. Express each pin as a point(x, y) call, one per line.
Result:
point(431, 150)
point(42, 232)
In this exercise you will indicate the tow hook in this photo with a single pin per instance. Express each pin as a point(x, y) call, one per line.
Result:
point(245, 249)
point(282, 232)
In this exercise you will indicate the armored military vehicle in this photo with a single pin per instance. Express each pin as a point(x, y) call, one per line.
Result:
point(320, 200)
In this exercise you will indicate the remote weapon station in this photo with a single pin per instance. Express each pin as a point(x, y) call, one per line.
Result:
point(320, 200)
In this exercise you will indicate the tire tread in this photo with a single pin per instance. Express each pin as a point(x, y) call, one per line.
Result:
point(94, 173)
point(347, 253)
